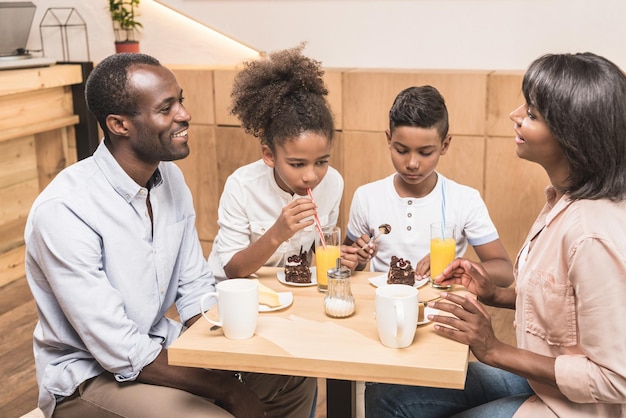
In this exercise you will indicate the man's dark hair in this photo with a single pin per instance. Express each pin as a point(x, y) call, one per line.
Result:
point(107, 91)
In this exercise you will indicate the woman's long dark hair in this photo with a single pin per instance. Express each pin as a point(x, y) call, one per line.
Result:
point(582, 98)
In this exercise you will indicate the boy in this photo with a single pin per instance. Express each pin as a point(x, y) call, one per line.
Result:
point(416, 196)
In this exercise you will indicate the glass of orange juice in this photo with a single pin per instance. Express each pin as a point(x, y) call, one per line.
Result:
point(326, 254)
point(442, 250)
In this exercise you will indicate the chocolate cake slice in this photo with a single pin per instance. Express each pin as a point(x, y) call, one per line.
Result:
point(297, 269)
point(400, 271)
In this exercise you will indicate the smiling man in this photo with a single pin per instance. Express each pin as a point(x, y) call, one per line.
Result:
point(111, 245)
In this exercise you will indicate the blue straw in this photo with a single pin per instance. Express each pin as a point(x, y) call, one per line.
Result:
point(443, 209)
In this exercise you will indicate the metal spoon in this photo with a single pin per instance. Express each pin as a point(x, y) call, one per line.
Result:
point(383, 229)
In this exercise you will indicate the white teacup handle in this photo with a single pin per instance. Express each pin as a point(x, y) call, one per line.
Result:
point(208, 295)
point(399, 320)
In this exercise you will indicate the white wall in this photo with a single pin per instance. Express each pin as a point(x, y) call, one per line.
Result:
point(169, 36)
point(440, 34)
point(474, 34)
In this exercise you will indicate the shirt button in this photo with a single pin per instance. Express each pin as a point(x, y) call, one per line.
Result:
point(410, 202)
point(142, 191)
point(126, 196)
point(408, 228)
point(409, 214)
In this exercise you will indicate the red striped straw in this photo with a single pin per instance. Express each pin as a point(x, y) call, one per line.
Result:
point(318, 224)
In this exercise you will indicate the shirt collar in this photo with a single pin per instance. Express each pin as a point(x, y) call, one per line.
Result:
point(123, 184)
point(555, 206)
point(274, 185)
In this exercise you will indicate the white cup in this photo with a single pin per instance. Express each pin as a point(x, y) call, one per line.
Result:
point(396, 314)
point(238, 306)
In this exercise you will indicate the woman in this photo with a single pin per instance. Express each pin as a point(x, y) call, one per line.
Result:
point(571, 271)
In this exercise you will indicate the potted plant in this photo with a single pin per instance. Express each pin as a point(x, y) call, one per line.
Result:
point(125, 24)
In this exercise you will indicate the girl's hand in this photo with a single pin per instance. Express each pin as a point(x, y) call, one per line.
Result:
point(422, 268)
point(470, 275)
point(296, 215)
point(471, 324)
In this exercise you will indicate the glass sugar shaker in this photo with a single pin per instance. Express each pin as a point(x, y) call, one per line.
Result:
point(339, 301)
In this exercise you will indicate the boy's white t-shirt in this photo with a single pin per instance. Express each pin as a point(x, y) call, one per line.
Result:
point(378, 203)
point(251, 203)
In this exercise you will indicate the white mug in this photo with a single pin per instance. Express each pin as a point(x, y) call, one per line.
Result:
point(238, 306)
point(396, 314)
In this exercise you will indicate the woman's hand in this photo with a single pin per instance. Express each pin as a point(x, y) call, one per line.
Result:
point(471, 276)
point(471, 324)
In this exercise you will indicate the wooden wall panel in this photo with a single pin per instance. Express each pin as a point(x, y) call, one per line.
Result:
point(17, 199)
point(197, 85)
point(12, 265)
point(235, 148)
point(334, 83)
point(365, 159)
point(464, 162)
point(12, 249)
point(12, 233)
point(368, 95)
point(337, 152)
point(18, 161)
point(504, 94)
point(53, 153)
point(37, 140)
point(69, 144)
point(32, 107)
point(223, 79)
point(514, 192)
point(18, 81)
point(200, 170)
point(208, 171)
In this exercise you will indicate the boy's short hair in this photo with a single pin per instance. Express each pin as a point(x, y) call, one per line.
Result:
point(421, 107)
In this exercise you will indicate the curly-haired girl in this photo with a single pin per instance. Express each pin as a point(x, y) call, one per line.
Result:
point(264, 212)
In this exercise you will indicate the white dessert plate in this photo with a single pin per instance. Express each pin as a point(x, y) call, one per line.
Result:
point(428, 311)
point(285, 299)
point(281, 278)
point(382, 281)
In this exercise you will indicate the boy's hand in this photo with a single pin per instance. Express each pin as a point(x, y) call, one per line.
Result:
point(366, 248)
point(349, 257)
point(422, 268)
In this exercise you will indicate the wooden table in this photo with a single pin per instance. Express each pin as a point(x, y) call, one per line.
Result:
point(303, 340)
